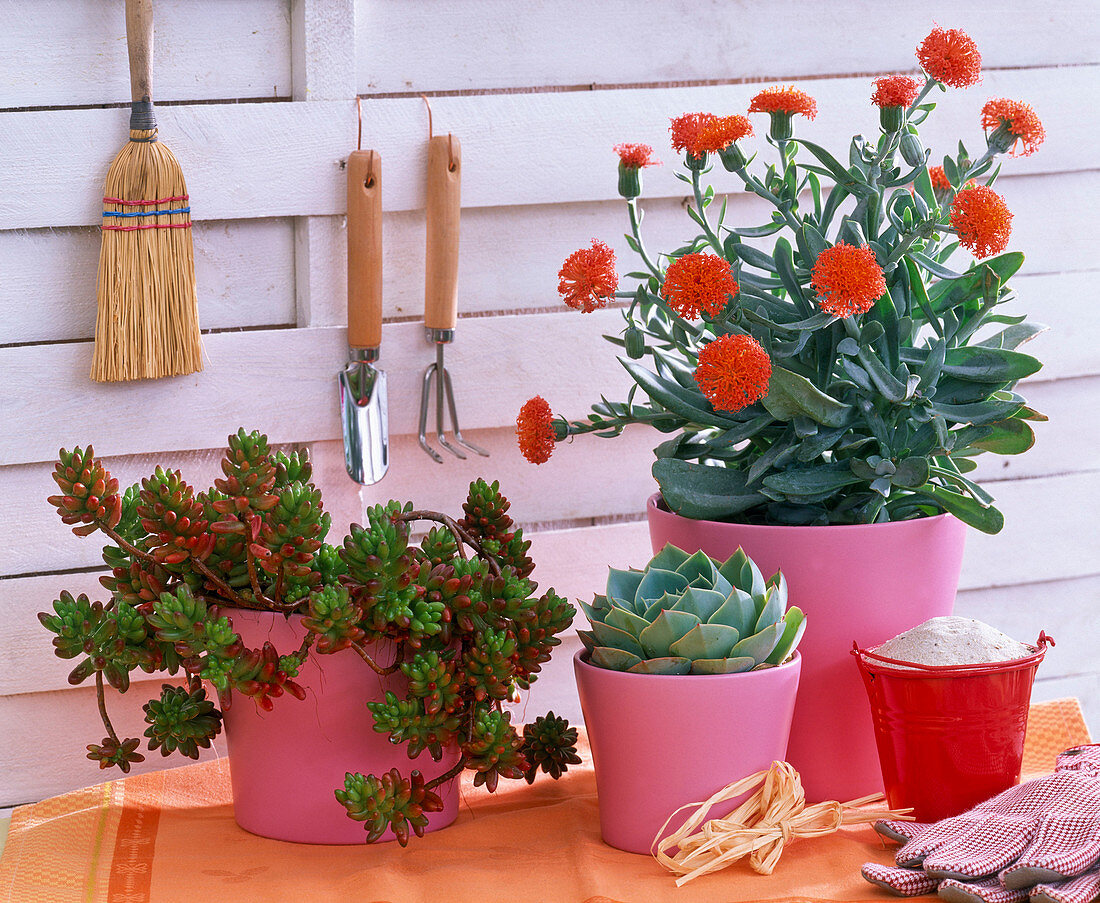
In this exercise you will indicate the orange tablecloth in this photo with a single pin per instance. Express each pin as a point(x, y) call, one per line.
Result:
point(170, 836)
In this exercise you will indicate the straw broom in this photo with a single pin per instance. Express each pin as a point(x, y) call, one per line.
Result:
point(147, 323)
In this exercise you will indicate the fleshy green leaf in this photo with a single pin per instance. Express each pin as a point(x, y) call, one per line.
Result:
point(794, 627)
point(723, 665)
point(623, 585)
point(703, 492)
point(665, 630)
point(790, 395)
point(664, 665)
point(700, 602)
point(616, 638)
point(706, 641)
point(759, 645)
point(738, 612)
point(613, 659)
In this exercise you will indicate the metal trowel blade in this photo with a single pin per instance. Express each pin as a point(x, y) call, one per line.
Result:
point(366, 424)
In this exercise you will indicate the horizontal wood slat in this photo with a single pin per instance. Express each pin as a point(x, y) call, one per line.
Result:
point(517, 148)
point(245, 269)
point(283, 382)
point(999, 576)
point(486, 45)
point(244, 275)
point(604, 478)
point(43, 742)
point(73, 52)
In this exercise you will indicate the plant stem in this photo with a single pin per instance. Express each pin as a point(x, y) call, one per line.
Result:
point(701, 210)
point(254, 578)
point(103, 706)
point(222, 587)
point(460, 535)
point(377, 668)
point(757, 187)
point(635, 230)
point(452, 773)
point(929, 84)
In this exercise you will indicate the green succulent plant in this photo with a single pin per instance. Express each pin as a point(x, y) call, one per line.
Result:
point(687, 614)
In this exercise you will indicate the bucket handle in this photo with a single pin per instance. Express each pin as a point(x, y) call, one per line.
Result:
point(1041, 643)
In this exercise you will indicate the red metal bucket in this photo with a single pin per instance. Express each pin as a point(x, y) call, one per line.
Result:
point(949, 736)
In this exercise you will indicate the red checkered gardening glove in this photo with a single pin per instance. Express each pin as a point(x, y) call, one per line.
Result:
point(1039, 833)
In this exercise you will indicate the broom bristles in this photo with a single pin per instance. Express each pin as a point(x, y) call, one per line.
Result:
point(147, 321)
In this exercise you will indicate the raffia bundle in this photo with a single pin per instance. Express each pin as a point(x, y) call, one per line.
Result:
point(772, 815)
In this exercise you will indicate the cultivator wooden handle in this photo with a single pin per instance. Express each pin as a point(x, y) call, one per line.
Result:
point(364, 249)
point(441, 257)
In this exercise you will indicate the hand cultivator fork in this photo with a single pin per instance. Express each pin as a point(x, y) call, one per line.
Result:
point(441, 290)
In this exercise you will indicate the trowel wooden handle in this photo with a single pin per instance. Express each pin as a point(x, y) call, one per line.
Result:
point(364, 249)
point(441, 257)
point(139, 44)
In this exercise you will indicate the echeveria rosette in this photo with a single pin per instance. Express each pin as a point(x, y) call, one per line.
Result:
point(892, 367)
point(688, 614)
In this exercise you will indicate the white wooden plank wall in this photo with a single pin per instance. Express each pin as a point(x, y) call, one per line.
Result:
point(261, 114)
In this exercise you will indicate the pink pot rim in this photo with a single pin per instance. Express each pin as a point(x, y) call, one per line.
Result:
point(688, 681)
point(655, 507)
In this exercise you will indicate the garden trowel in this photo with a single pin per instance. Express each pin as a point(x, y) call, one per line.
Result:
point(362, 384)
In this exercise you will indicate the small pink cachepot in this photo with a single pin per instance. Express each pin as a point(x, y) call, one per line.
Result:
point(661, 741)
point(863, 582)
point(286, 763)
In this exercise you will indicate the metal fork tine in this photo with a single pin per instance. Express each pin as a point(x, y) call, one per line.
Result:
point(425, 397)
point(454, 417)
point(442, 384)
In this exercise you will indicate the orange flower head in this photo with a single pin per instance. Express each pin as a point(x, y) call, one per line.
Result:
point(847, 279)
point(951, 56)
point(982, 219)
point(778, 99)
point(1021, 128)
point(721, 133)
point(733, 372)
point(697, 283)
point(692, 133)
point(587, 280)
point(939, 178)
point(535, 430)
point(894, 91)
point(635, 156)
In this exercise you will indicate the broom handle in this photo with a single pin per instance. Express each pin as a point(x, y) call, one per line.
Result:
point(364, 249)
point(139, 42)
point(441, 257)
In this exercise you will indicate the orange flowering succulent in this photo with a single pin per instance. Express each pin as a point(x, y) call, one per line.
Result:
point(939, 178)
point(894, 91)
point(951, 56)
point(788, 100)
point(807, 382)
point(699, 283)
point(535, 430)
point(982, 219)
point(1012, 126)
point(848, 280)
point(635, 156)
point(588, 280)
point(733, 372)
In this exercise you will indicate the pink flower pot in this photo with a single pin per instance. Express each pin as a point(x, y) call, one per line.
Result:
point(864, 582)
point(287, 763)
point(661, 741)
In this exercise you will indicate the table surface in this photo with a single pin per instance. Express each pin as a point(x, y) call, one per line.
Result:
point(170, 836)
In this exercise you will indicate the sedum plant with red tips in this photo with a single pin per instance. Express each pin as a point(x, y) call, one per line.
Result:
point(468, 624)
point(832, 364)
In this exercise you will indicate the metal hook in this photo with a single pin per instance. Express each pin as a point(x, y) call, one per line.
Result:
point(428, 104)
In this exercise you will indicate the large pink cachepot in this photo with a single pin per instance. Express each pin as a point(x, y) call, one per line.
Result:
point(661, 741)
point(286, 763)
point(862, 582)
